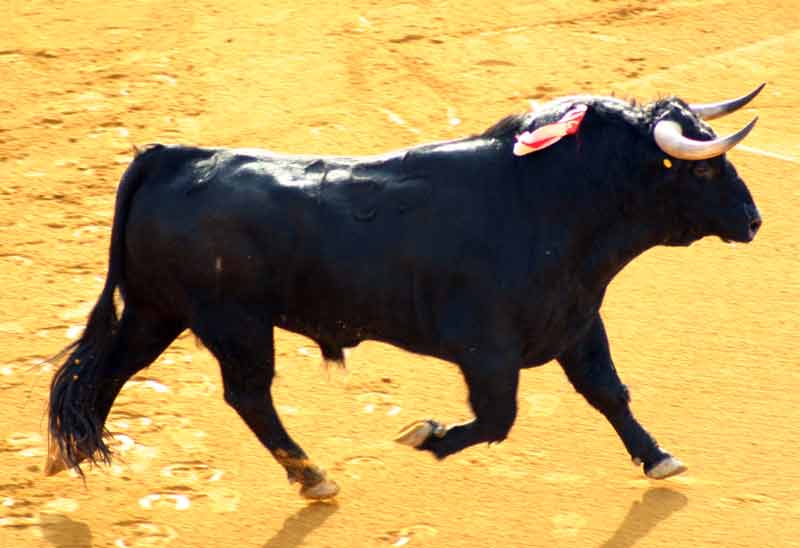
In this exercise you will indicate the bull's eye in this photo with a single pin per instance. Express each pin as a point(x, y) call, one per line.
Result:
point(703, 170)
point(667, 163)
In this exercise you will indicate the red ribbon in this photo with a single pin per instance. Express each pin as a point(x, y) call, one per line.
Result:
point(543, 137)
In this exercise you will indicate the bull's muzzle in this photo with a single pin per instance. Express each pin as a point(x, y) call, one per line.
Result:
point(755, 221)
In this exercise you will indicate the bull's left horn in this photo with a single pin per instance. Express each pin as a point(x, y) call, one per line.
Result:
point(709, 111)
point(669, 138)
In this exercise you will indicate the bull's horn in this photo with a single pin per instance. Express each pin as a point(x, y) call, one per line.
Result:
point(669, 138)
point(709, 111)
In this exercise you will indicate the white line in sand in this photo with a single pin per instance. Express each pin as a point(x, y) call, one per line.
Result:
point(767, 153)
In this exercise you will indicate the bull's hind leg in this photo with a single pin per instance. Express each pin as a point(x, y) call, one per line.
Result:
point(590, 370)
point(242, 341)
point(84, 398)
point(492, 387)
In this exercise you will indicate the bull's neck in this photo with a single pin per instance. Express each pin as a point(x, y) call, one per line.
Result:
point(599, 230)
point(604, 234)
point(613, 239)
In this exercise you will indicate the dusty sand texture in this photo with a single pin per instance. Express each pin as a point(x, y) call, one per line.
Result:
point(705, 337)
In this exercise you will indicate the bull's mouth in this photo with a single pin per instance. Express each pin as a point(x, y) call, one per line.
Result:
point(739, 229)
point(745, 237)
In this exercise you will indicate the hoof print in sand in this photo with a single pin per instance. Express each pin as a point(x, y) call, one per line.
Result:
point(412, 535)
point(143, 534)
point(169, 500)
point(25, 444)
point(9, 377)
point(192, 472)
point(379, 402)
point(362, 466)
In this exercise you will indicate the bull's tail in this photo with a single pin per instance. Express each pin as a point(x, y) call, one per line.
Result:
point(76, 432)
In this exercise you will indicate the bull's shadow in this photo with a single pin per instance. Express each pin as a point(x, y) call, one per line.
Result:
point(62, 532)
point(301, 523)
point(657, 504)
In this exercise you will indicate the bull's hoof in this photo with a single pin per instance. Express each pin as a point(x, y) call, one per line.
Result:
point(54, 465)
point(55, 462)
point(417, 432)
point(666, 468)
point(325, 489)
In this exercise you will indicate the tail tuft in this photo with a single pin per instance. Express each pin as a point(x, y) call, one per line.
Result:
point(76, 432)
point(75, 425)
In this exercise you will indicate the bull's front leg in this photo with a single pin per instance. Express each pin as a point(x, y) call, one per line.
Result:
point(492, 384)
point(591, 371)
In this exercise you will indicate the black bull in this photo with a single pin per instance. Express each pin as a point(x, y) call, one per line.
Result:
point(459, 250)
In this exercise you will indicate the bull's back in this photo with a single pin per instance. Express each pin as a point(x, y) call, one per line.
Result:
point(322, 254)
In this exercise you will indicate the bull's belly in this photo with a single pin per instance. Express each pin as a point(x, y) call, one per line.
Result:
point(338, 323)
point(179, 263)
point(347, 323)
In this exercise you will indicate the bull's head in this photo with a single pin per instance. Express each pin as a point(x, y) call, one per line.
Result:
point(711, 198)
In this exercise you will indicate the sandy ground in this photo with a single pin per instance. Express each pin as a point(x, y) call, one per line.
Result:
point(705, 337)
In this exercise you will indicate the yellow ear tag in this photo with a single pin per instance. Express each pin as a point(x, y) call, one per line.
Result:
point(667, 163)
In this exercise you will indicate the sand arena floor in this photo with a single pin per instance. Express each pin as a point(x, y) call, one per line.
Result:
point(705, 337)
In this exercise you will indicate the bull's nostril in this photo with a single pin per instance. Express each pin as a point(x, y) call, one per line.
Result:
point(755, 225)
